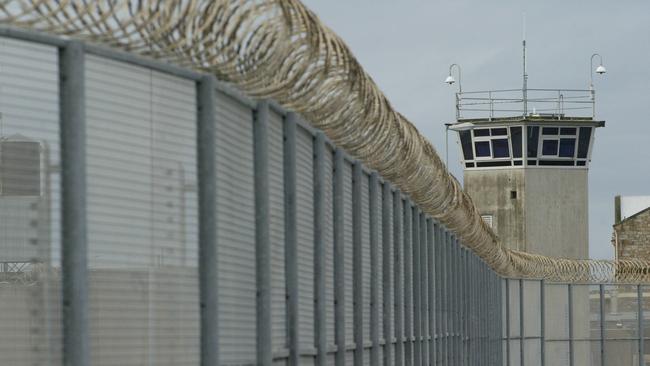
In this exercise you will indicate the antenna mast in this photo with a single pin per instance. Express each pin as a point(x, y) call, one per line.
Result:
point(525, 74)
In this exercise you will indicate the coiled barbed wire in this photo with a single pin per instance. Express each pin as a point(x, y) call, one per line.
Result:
point(279, 49)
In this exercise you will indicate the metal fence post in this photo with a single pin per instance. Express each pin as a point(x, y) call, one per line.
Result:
point(74, 240)
point(431, 291)
point(601, 290)
point(438, 291)
point(570, 313)
point(507, 321)
point(542, 325)
point(207, 191)
point(424, 313)
point(388, 289)
point(374, 269)
point(417, 323)
point(398, 250)
point(521, 324)
point(408, 280)
point(357, 256)
point(639, 296)
point(262, 241)
point(290, 237)
point(339, 256)
point(319, 250)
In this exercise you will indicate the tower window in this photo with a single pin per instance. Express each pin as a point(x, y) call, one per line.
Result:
point(513, 195)
point(515, 134)
point(482, 148)
point(567, 148)
point(583, 142)
point(500, 148)
point(533, 140)
point(549, 147)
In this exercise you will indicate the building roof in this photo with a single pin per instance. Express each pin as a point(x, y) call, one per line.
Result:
point(647, 209)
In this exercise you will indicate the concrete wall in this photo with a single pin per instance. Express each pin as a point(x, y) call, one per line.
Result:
point(548, 215)
point(491, 191)
point(556, 203)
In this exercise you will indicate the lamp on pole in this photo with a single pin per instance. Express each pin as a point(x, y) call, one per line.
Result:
point(450, 80)
point(599, 70)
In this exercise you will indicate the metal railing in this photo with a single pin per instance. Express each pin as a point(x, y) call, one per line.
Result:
point(553, 103)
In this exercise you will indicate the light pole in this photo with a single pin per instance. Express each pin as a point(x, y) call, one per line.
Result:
point(450, 80)
point(599, 70)
point(447, 144)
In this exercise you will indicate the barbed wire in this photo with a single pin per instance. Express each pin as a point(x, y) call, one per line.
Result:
point(279, 49)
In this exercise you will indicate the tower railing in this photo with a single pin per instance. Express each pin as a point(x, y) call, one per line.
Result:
point(550, 103)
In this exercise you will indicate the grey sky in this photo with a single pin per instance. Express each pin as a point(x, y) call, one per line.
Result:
point(407, 47)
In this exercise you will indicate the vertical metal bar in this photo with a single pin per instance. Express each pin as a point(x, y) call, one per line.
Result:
point(207, 192)
point(463, 306)
point(438, 291)
point(444, 332)
point(431, 291)
point(290, 237)
point(570, 311)
point(374, 269)
point(357, 256)
point(320, 271)
point(424, 314)
point(542, 324)
point(339, 257)
point(417, 323)
point(408, 281)
point(74, 240)
point(262, 241)
point(460, 304)
point(507, 321)
point(386, 267)
point(521, 323)
point(447, 296)
point(639, 296)
point(398, 250)
point(601, 289)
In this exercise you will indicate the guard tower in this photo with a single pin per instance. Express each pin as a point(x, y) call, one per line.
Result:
point(526, 155)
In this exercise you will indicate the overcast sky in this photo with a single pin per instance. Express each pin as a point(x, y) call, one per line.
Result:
point(407, 47)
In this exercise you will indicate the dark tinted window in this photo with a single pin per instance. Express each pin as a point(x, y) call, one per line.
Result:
point(583, 142)
point(515, 134)
point(533, 139)
point(556, 162)
point(493, 163)
point(482, 132)
point(549, 147)
point(580, 163)
point(549, 131)
point(567, 148)
point(517, 162)
point(499, 131)
point(469, 165)
point(466, 143)
point(500, 148)
point(568, 131)
point(532, 162)
point(482, 148)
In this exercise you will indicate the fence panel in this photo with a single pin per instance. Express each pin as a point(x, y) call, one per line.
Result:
point(30, 203)
point(142, 215)
point(235, 240)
